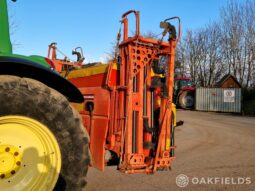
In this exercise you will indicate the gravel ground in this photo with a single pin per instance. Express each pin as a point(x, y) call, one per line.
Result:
point(214, 151)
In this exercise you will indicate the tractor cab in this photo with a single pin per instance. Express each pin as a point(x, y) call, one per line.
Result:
point(181, 83)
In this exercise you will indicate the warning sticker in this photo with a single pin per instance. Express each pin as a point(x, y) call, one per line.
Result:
point(229, 95)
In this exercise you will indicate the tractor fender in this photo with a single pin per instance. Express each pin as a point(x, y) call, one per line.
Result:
point(188, 89)
point(30, 69)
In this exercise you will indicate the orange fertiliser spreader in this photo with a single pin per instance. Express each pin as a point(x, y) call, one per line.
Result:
point(128, 103)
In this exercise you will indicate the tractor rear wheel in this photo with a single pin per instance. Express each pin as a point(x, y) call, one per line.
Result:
point(186, 100)
point(43, 144)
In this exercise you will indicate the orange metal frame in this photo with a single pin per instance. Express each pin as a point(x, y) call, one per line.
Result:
point(137, 54)
point(61, 65)
point(122, 120)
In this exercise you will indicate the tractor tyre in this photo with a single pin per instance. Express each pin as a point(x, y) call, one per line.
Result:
point(42, 137)
point(186, 100)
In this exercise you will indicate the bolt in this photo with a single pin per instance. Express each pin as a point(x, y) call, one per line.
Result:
point(13, 172)
point(16, 154)
point(18, 163)
point(2, 176)
point(7, 149)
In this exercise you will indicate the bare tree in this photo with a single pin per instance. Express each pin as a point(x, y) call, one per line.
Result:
point(222, 47)
point(238, 36)
point(232, 26)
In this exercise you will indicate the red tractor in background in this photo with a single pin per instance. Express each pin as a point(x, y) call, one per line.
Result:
point(184, 92)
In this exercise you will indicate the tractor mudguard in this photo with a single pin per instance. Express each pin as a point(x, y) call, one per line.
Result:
point(188, 89)
point(29, 69)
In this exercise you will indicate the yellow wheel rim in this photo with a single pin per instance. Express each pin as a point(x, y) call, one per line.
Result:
point(30, 157)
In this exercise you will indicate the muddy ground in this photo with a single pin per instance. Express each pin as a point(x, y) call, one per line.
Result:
point(215, 151)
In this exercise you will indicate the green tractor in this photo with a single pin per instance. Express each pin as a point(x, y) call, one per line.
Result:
point(43, 144)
